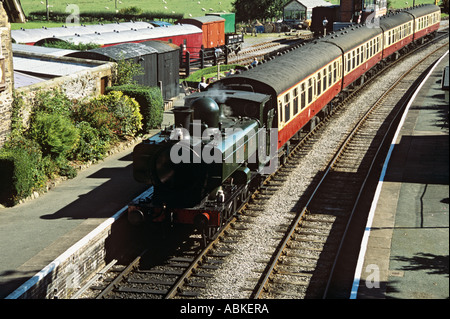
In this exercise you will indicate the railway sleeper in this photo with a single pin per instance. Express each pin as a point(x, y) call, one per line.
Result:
point(141, 290)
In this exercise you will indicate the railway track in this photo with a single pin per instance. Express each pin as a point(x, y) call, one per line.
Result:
point(303, 264)
point(189, 269)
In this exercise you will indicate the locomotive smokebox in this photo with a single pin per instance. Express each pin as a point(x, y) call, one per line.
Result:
point(207, 111)
point(183, 116)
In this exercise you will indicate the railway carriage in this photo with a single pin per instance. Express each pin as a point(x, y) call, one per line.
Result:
point(426, 20)
point(31, 36)
point(398, 33)
point(181, 35)
point(361, 51)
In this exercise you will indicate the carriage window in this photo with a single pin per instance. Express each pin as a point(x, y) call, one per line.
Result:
point(287, 106)
point(335, 70)
point(330, 74)
point(324, 79)
point(302, 96)
point(349, 63)
point(287, 112)
point(353, 59)
point(357, 57)
point(310, 91)
point(281, 112)
point(295, 100)
point(319, 83)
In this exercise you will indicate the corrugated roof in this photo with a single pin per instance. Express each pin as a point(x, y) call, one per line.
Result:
point(34, 35)
point(313, 3)
point(124, 51)
point(161, 47)
point(47, 68)
point(23, 48)
point(22, 79)
point(204, 19)
point(129, 36)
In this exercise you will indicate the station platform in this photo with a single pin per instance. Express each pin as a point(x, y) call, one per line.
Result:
point(35, 233)
point(405, 249)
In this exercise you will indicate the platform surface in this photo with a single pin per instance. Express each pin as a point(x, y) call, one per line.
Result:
point(407, 255)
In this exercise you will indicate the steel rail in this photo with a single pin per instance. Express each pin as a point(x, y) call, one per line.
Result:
point(120, 277)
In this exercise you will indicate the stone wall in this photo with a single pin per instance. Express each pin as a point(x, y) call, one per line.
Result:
point(83, 84)
point(6, 76)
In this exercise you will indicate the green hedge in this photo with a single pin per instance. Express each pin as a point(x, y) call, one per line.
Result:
point(150, 100)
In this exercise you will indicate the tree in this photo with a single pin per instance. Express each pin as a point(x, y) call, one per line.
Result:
point(257, 9)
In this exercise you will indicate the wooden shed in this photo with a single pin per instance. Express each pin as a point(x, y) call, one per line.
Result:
point(168, 67)
point(160, 61)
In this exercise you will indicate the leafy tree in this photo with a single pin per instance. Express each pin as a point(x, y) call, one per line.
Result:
point(258, 9)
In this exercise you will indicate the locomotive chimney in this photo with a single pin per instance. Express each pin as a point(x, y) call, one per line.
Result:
point(183, 117)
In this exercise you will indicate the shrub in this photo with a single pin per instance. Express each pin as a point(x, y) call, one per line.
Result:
point(150, 100)
point(55, 134)
point(98, 116)
point(21, 170)
point(90, 146)
point(134, 10)
point(71, 46)
point(126, 71)
point(52, 101)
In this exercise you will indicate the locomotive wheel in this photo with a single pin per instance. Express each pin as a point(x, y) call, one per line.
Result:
point(245, 194)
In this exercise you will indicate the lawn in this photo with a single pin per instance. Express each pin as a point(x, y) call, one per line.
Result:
point(187, 7)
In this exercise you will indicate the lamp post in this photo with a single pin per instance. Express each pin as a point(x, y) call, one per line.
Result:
point(218, 52)
point(325, 22)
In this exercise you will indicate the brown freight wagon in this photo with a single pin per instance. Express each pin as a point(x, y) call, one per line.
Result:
point(213, 28)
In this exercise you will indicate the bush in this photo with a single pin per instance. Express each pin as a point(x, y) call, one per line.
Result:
point(134, 10)
point(90, 145)
point(21, 170)
point(52, 101)
point(125, 109)
point(70, 46)
point(150, 100)
point(99, 118)
point(126, 71)
point(55, 134)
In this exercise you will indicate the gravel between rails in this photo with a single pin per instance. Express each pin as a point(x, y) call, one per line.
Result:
point(236, 276)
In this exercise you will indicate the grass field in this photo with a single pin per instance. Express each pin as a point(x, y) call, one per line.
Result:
point(186, 7)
